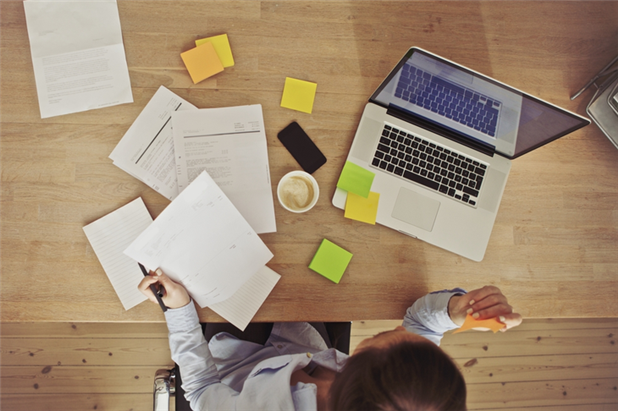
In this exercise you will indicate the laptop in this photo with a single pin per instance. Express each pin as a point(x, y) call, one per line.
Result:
point(440, 139)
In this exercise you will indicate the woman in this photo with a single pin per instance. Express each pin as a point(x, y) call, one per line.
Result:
point(402, 369)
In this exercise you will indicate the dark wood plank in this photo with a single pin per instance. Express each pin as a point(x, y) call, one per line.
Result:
point(31, 380)
point(534, 394)
point(73, 351)
point(77, 402)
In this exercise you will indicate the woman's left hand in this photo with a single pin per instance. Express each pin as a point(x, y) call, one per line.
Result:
point(483, 303)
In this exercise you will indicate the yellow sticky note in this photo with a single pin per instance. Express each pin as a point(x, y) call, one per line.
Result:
point(202, 62)
point(362, 209)
point(298, 95)
point(221, 43)
point(491, 323)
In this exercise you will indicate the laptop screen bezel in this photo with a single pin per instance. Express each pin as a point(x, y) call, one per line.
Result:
point(446, 132)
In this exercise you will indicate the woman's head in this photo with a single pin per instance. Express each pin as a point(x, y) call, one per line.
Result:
point(398, 370)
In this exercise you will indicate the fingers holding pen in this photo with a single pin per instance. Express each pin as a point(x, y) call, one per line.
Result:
point(144, 286)
point(174, 294)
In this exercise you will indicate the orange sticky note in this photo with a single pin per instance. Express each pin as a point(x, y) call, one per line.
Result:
point(298, 95)
point(202, 62)
point(222, 46)
point(491, 323)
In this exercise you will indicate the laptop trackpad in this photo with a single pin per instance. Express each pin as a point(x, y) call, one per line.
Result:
point(415, 209)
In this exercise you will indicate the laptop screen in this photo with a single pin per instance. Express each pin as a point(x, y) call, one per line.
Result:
point(472, 105)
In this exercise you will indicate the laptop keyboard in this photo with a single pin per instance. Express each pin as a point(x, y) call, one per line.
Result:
point(429, 164)
point(449, 100)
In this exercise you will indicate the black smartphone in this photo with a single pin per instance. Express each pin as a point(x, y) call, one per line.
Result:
point(298, 143)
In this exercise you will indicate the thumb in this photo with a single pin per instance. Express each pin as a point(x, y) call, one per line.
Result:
point(510, 320)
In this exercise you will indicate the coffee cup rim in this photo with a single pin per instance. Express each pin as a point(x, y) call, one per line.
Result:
point(316, 189)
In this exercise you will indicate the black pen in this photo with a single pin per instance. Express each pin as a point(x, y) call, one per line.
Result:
point(157, 293)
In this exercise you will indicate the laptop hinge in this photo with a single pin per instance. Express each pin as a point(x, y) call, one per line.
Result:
point(440, 130)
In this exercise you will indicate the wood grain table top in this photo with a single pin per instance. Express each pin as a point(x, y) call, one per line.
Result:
point(553, 250)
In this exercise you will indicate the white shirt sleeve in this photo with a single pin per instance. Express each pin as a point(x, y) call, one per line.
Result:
point(198, 371)
point(428, 316)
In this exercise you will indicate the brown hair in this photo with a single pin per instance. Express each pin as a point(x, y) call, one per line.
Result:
point(404, 376)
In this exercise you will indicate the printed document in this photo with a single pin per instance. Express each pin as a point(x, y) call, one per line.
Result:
point(146, 151)
point(201, 241)
point(230, 144)
point(109, 236)
point(78, 55)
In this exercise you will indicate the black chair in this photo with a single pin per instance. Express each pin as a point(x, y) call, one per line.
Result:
point(168, 383)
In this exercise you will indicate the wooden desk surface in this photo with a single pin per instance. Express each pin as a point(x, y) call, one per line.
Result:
point(554, 248)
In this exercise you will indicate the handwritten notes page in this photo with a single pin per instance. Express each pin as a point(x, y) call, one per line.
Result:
point(241, 307)
point(109, 236)
point(201, 241)
point(146, 151)
point(77, 55)
point(230, 144)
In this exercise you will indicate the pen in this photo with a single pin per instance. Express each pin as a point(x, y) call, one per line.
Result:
point(157, 293)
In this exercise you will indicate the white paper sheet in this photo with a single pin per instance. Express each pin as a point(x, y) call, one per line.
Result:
point(201, 241)
point(241, 307)
point(78, 55)
point(109, 236)
point(230, 144)
point(146, 151)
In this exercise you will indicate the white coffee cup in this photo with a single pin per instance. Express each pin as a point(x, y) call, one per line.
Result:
point(298, 191)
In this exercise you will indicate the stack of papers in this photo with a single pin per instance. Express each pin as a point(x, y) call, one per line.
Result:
point(146, 151)
point(230, 144)
point(200, 240)
point(172, 142)
point(77, 54)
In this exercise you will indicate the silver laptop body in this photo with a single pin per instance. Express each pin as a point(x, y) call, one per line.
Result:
point(440, 139)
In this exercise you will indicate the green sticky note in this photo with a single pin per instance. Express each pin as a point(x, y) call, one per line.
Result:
point(355, 179)
point(298, 95)
point(330, 261)
point(362, 209)
point(222, 46)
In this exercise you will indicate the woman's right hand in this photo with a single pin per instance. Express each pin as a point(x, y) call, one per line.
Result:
point(175, 295)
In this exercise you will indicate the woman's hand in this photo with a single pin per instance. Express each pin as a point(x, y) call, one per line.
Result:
point(175, 295)
point(483, 303)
